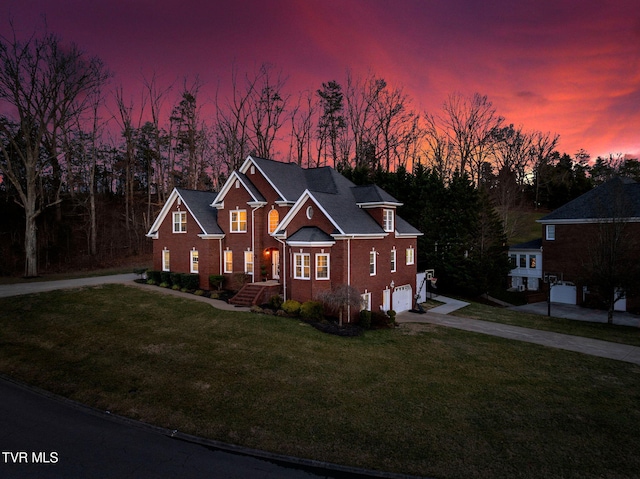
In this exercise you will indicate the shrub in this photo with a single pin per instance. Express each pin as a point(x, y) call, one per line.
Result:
point(190, 281)
point(199, 292)
point(392, 317)
point(153, 275)
point(365, 319)
point(275, 302)
point(165, 277)
point(238, 280)
point(216, 281)
point(176, 279)
point(312, 310)
point(379, 319)
point(175, 287)
point(151, 282)
point(291, 306)
point(164, 285)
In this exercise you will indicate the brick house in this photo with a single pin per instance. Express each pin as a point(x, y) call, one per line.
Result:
point(573, 233)
point(300, 231)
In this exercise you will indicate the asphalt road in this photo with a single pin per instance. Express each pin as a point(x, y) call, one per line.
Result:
point(46, 437)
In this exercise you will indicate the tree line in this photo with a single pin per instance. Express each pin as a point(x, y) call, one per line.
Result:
point(86, 165)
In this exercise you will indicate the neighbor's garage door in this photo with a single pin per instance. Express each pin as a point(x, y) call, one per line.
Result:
point(563, 293)
point(402, 298)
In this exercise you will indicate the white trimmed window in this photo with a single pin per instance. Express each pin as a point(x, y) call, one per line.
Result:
point(322, 266)
point(274, 219)
point(372, 262)
point(179, 221)
point(301, 262)
point(551, 232)
point(194, 261)
point(366, 301)
point(410, 255)
point(228, 261)
point(248, 262)
point(387, 220)
point(393, 260)
point(238, 221)
point(166, 260)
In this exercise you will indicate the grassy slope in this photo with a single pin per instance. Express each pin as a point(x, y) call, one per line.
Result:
point(420, 399)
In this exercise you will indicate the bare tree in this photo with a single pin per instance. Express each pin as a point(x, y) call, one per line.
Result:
point(342, 299)
point(301, 125)
point(44, 83)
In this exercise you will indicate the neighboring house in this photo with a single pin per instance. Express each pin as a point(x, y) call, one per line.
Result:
point(526, 263)
point(304, 230)
point(573, 233)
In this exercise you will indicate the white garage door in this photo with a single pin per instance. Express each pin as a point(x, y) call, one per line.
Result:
point(402, 298)
point(563, 293)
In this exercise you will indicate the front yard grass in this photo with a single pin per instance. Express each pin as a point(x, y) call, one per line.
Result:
point(419, 399)
point(614, 333)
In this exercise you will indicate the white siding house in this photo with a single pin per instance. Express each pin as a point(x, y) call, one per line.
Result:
point(526, 263)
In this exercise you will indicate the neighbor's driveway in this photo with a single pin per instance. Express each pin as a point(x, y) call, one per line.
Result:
point(7, 290)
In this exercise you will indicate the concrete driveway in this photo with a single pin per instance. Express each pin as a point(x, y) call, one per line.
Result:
point(568, 311)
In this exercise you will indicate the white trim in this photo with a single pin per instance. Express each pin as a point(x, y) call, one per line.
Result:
point(224, 261)
point(153, 231)
point(302, 266)
point(577, 221)
point(192, 254)
point(307, 195)
point(180, 222)
point(218, 201)
point(246, 220)
point(328, 256)
point(250, 161)
point(164, 263)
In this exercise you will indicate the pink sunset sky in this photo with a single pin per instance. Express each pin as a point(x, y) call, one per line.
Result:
point(559, 66)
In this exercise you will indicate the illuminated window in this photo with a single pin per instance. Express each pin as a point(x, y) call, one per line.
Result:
point(194, 261)
point(180, 222)
point(387, 220)
point(410, 255)
point(248, 262)
point(366, 301)
point(274, 219)
point(238, 221)
point(532, 261)
point(393, 260)
point(228, 261)
point(322, 266)
point(301, 263)
point(166, 266)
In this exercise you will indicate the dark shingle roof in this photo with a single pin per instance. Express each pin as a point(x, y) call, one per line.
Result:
point(310, 234)
point(372, 194)
point(533, 244)
point(618, 197)
point(199, 203)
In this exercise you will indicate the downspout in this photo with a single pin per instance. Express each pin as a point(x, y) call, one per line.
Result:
point(221, 254)
point(283, 273)
point(253, 241)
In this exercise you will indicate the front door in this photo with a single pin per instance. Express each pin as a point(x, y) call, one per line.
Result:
point(275, 264)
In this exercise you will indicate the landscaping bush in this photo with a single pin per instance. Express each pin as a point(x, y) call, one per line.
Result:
point(190, 281)
point(365, 319)
point(155, 276)
point(392, 317)
point(312, 310)
point(216, 281)
point(291, 306)
point(379, 320)
point(176, 279)
point(275, 302)
point(165, 277)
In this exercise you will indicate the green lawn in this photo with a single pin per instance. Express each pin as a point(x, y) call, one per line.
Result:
point(614, 333)
point(419, 399)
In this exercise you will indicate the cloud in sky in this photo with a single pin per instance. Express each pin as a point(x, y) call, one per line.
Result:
point(570, 67)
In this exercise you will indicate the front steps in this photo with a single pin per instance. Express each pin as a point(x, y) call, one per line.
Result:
point(255, 293)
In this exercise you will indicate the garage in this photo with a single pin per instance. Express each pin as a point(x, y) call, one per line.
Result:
point(402, 298)
point(564, 292)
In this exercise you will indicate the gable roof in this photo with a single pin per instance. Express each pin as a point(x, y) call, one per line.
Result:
point(256, 196)
point(373, 195)
point(533, 244)
point(310, 235)
point(617, 198)
point(198, 203)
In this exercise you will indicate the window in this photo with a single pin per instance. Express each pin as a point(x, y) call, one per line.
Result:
point(322, 266)
point(551, 232)
point(274, 219)
point(366, 301)
point(301, 266)
point(239, 221)
point(166, 266)
point(393, 260)
point(512, 260)
point(228, 261)
point(194, 261)
point(523, 260)
point(180, 222)
point(372, 262)
point(309, 212)
point(248, 262)
point(410, 256)
point(532, 261)
point(387, 220)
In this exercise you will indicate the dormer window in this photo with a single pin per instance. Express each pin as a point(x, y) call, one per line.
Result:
point(387, 220)
point(180, 222)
